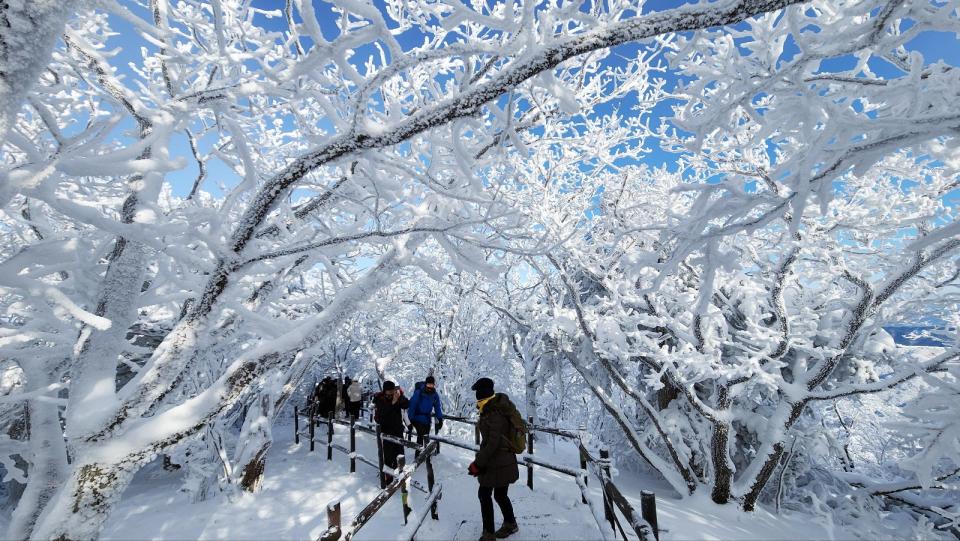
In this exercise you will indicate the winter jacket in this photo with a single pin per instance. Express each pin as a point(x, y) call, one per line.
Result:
point(422, 404)
point(326, 398)
point(354, 392)
point(496, 461)
point(389, 414)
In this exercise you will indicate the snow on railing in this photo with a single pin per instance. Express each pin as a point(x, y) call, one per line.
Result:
point(401, 477)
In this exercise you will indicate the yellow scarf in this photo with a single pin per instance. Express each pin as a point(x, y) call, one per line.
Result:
point(483, 402)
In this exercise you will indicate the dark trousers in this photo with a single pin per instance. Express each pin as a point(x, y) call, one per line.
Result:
point(422, 431)
point(327, 408)
point(390, 452)
point(353, 409)
point(486, 506)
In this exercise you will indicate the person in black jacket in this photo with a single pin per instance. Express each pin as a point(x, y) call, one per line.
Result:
point(495, 465)
point(389, 406)
point(326, 397)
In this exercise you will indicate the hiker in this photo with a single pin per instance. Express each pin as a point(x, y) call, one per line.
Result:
point(327, 397)
point(495, 465)
point(354, 399)
point(318, 397)
point(389, 405)
point(424, 403)
point(342, 399)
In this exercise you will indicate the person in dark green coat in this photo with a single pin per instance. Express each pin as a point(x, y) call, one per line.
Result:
point(495, 465)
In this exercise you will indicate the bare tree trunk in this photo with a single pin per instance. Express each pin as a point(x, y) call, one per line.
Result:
point(93, 373)
point(531, 379)
point(252, 453)
point(720, 452)
point(765, 463)
point(256, 438)
point(48, 468)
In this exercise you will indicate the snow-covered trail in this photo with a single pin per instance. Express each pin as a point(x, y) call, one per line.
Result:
point(298, 484)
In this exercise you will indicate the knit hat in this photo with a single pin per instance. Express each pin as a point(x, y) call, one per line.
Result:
point(429, 381)
point(389, 385)
point(483, 388)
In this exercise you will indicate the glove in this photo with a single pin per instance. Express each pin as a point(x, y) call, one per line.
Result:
point(473, 469)
point(439, 424)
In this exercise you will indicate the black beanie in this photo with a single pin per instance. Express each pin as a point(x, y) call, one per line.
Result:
point(484, 388)
point(429, 380)
point(389, 385)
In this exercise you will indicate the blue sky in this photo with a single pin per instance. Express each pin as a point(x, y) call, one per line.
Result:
point(935, 46)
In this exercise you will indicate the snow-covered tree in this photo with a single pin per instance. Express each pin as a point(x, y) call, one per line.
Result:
point(333, 156)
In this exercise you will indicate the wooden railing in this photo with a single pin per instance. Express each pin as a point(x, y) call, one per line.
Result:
point(643, 524)
point(402, 475)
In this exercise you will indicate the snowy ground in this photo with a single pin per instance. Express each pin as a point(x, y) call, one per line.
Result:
point(298, 485)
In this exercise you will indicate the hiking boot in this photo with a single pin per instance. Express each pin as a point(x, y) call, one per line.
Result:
point(508, 529)
point(488, 536)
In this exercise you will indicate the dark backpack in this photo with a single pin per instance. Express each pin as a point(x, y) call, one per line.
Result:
point(517, 441)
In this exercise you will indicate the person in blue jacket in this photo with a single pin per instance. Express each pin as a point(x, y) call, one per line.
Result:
point(424, 403)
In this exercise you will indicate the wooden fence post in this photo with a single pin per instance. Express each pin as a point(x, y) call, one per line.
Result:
point(312, 427)
point(353, 445)
point(334, 530)
point(607, 507)
point(648, 510)
point(530, 452)
point(296, 426)
point(430, 482)
point(383, 479)
point(404, 493)
point(586, 473)
point(330, 438)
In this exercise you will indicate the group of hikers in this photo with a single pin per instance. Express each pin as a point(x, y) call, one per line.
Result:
point(329, 392)
point(390, 406)
point(502, 434)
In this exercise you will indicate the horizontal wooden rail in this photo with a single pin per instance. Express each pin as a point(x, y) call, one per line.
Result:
point(562, 432)
point(523, 459)
point(367, 461)
point(466, 420)
point(369, 429)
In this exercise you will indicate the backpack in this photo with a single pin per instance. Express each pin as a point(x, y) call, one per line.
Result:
point(424, 398)
point(517, 442)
